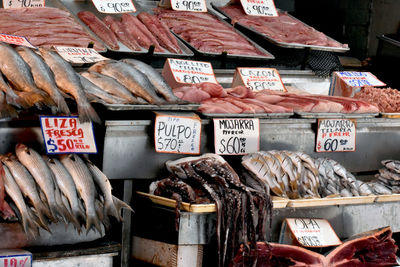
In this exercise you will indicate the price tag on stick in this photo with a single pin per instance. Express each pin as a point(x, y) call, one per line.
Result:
point(258, 79)
point(177, 134)
point(114, 6)
point(189, 5)
point(336, 135)
point(23, 3)
point(259, 8)
point(15, 40)
point(63, 135)
point(79, 55)
point(236, 136)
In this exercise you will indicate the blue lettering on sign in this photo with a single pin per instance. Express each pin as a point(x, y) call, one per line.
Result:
point(358, 83)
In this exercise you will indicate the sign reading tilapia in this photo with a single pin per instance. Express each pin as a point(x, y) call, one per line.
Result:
point(335, 135)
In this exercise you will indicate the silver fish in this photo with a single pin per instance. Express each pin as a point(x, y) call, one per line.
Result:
point(393, 165)
point(389, 174)
point(131, 78)
point(345, 193)
point(380, 189)
point(156, 79)
point(288, 167)
point(68, 81)
point(306, 158)
point(43, 77)
point(85, 186)
point(275, 167)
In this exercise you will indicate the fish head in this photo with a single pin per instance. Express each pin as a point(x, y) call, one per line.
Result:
point(21, 148)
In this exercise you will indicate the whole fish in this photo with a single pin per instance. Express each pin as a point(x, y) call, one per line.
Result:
point(85, 186)
point(29, 222)
point(287, 166)
point(110, 85)
point(43, 77)
point(28, 188)
point(297, 163)
point(96, 95)
point(11, 97)
point(131, 78)
point(389, 174)
point(6, 111)
point(380, 189)
point(40, 172)
point(158, 81)
point(19, 75)
point(274, 166)
point(66, 185)
point(306, 158)
point(393, 165)
point(68, 81)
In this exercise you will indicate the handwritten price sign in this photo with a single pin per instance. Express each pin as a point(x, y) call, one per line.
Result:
point(114, 6)
point(79, 55)
point(67, 135)
point(259, 8)
point(359, 79)
point(23, 3)
point(15, 40)
point(258, 79)
point(336, 135)
point(236, 136)
point(189, 5)
point(188, 71)
point(177, 134)
point(15, 258)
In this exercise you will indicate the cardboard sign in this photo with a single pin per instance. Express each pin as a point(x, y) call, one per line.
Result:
point(23, 3)
point(15, 258)
point(189, 5)
point(347, 83)
point(114, 6)
point(66, 135)
point(308, 233)
point(336, 135)
point(236, 136)
point(258, 79)
point(179, 72)
point(177, 134)
point(79, 55)
point(259, 8)
point(15, 40)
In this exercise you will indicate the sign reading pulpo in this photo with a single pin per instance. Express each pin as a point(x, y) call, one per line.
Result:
point(23, 3)
point(67, 135)
point(236, 136)
point(258, 79)
point(336, 135)
point(114, 6)
point(79, 55)
point(177, 134)
point(189, 5)
point(259, 8)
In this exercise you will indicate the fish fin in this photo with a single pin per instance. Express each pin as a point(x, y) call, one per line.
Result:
point(87, 112)
point(62, 105)
point(68, 217)
point(31, 99)
point(15, 100)
point(41, 212)
point(30, 223)
point(7, 111)
point(119, 205)
point(111, 210)
point(93, 220)
point(79, 214)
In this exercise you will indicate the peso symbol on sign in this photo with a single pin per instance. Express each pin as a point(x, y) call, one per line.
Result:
point(53, 145)
point(234, 145)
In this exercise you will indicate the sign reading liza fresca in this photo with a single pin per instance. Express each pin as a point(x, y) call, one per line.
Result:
point(259, 8)
point(336, 135)
point(114, 6)
point(63, 135)
point(23, 3)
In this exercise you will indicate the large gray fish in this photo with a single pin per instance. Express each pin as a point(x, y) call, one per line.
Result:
point(40, 172)
point(6, 111)
point(68, 81)
point(85, 186)
point(29, 221)
point(66, 185)
point(156, 79)
point(110, 85)
point(131, 78)
point(43, 77)
point(19, 75)
point(28, 188)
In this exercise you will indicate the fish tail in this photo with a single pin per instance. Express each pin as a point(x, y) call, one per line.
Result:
point(7, 111)
point(41, 213)
point(119, 205)
point(62, 105)
point(92, 220)
point(31, 99)
point(68, 217)
point(111, 210)
point(30, 223)
point(79, 214)
point(57, 214)
point(15, 100)
point(87, 112)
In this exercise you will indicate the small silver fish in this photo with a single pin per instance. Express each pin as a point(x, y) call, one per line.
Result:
point(393, 165)
point(380, 189)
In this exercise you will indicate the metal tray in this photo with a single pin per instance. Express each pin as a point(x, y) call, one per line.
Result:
point(240, 26)
point(312, 115)
point(169, 107)
point(246, 115)
point(74, 6)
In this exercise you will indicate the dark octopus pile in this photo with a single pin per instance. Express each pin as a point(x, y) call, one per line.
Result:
point(243, 210)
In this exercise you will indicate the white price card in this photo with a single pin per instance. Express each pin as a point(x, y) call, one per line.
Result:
point(189, 71)
point(66, 135)
point(15, 40)
point(114, 6)
point(359, 79)
point(189, 5)
point(259, 8)
point(79, 55)
point(23, 3)
point(15, 258)
point(177, 134)
point(258, 79)
point(236, 136)
point(313, 232)
point(336, 135)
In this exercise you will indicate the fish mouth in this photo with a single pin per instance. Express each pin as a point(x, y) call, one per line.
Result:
point(23, 147)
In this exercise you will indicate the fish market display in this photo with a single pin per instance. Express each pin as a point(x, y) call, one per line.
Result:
point(372, 248)
point(206, 33)
point(135, 32)
point(47, 27)
point(388, 178)
point(282, 28)
point(210, 178)
point(386, 99)
point(45, 190)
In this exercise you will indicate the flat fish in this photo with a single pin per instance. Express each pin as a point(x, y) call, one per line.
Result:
point(131, 78)
point(69, 82)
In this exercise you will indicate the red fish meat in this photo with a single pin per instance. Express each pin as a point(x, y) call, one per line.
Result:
point(121, 33)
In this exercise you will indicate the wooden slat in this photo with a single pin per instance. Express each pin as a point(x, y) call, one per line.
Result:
point(316, 202)
point(388, 198)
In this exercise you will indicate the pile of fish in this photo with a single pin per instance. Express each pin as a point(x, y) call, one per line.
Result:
point(386, 99)
point(372, 248)
point(388, 178)
point(45, 190)
point(282, 28)
point(135, 32)
point(46, 27)
point(242, 211)
point(207, 33)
